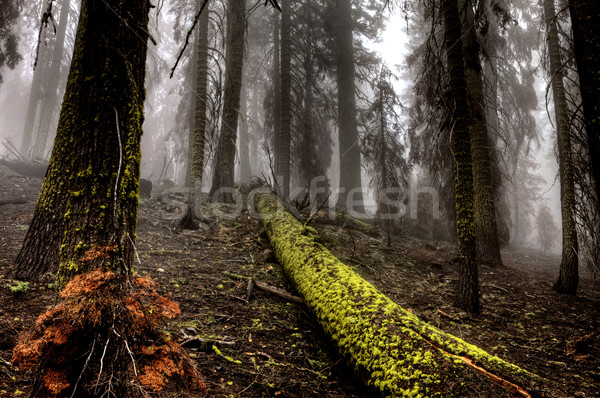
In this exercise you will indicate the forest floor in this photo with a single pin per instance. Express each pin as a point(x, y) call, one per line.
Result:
point(274, 346)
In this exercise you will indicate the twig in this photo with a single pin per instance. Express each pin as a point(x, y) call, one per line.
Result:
point(102, 360)
point(84, 368)
point(278, 292)
point(187, 37)
point(128, 350)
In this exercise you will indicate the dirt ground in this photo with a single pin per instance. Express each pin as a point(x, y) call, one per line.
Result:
point(273, 347)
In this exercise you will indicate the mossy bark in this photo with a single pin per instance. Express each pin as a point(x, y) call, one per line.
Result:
point(568, 279)
point(349, 149)
point(486, 230)
point(585, 18)
point(89, 197)
point(223, 178)
point(399, 354)
point(468, 280)
point(285, 107)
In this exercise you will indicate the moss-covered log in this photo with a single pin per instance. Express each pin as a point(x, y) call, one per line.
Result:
point(399, 354)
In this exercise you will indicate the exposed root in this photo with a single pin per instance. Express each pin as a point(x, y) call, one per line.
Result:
point(104, 340)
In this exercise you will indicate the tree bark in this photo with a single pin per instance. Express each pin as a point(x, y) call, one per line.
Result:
point(223, 177)
point(350, 158)
point(244, 139)
point(396, 352)
point(276, 91)
point(467, 296)
point(89, 198)
point(585, 19)
point(569, 274)
point(199, 130)
point(486, 230)
point(285, 107)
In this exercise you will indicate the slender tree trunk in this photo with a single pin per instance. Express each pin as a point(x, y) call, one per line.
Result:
point(350, 163)
point(193, 76)
point(585, 18)
point(283, 171)
point(468, 284)
point(244, 146)
point(197, 138)
point(569, 274)
point(51, 98)
point(486, 231)
point(36, 96)
point(276, 92)
point(223, 178)
point(89, 197)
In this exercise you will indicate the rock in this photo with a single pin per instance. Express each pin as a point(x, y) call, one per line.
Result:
point(160, 270)
point(145, 188)
point(377, 257)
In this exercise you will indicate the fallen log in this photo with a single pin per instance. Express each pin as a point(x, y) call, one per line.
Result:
point(27, 169)
point(396, 352)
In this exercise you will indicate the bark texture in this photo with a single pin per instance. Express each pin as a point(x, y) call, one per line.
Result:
point(285, 107)
point(467, 296)
point(569, 273)
point(89, 197)
point(223, 178)
point(395, 351)
point(585, 19)
point(486, 230)
point(350, 159)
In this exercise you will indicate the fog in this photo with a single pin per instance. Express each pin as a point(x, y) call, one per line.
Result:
point(396, 42)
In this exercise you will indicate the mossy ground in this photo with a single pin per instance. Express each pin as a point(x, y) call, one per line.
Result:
point(284, 352)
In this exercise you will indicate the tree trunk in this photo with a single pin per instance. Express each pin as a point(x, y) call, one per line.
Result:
point(585, 19)
point(569, 274)
point(199, 129)
point(276, 92)
point(486, 230)
point(350, 162)
point(244, 146)
point(468, 284)
point(52, 80)
point(36, 96)
point(283, 170)
point(223, 177)
point(398, 354)
point(89, 198)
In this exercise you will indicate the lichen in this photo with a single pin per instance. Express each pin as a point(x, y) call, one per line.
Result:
point(399, 354)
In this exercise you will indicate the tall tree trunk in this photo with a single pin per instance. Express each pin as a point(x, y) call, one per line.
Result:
point(244, 146)
point(276, 91)
point(198, 136)
point(585, 19)
point(283, 170)
point(486, 231)
point(467, 296)
point(223, 177)
point(89, 197)
point(191, 114)
point(52, 80)
point(569, 274)
point(350, 163)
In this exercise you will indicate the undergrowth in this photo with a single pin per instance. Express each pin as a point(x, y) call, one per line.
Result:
point(103, 339)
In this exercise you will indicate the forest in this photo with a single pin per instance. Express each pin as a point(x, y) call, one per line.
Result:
point(342, 198)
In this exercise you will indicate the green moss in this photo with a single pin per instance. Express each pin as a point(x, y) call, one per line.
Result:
point(400, 354)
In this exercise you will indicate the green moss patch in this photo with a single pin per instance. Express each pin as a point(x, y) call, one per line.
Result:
point(396, 352)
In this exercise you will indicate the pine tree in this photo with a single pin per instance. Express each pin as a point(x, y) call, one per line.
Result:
point(89, 197)
point(569, 274)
